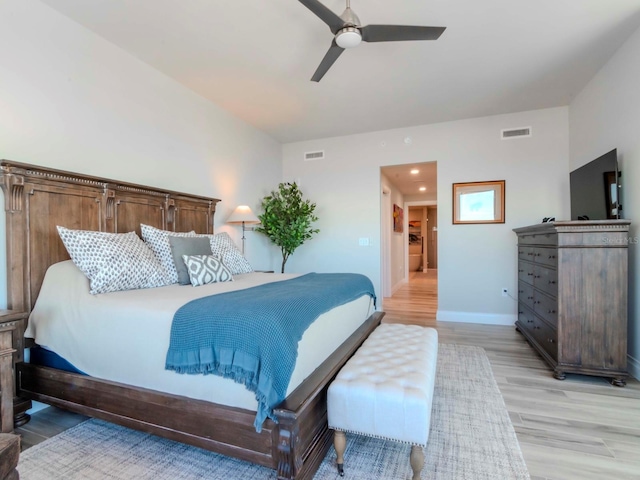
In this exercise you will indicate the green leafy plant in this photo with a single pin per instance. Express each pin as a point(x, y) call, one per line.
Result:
point(287, 219)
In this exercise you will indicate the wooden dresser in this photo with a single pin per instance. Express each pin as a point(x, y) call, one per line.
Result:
point(572, 295)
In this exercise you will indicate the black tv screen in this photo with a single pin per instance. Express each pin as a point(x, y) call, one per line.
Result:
point(595, 189)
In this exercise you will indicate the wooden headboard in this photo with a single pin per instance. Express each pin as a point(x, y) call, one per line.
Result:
point(37, 199)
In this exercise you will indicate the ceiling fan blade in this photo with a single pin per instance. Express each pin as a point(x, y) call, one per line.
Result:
point(329, 59)
point(323, 13)
point(396, 33)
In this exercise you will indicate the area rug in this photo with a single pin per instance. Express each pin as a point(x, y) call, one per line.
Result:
point(471, 438)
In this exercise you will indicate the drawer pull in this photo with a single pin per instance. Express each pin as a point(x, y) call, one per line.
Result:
point(552, 257)
point(552, 282)
point(537, 302)
point(520, 312)
point(537, 254)
point(551, 340)
point(530, 253)
point(529, 274)
point(520, 271)
point(536, 276)
point(520, 291)
point(535, 327)
point(529, 321)
point(551, 311)
point(529, 298)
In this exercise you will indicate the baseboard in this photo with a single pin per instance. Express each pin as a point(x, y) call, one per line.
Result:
point(473, 317)
point(398, 285)
point(633, 365)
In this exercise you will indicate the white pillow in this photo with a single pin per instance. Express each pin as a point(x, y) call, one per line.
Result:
point(223, 247)
point(205, 269)
point(158, 240)
point(113, 261)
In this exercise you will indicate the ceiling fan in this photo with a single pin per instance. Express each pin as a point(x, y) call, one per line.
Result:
point(349, 33)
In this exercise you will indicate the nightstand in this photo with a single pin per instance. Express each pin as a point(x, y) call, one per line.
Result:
point(11, 328)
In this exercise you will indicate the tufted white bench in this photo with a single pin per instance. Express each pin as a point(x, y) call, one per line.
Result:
point(386, 390)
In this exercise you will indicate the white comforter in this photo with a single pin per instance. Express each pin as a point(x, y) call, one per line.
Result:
point(124, 336)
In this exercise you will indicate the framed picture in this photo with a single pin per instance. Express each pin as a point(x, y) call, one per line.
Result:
point(398, 218)
point(478, 202)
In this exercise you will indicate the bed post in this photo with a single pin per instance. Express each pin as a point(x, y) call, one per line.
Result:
point(13, 188)
point(18, 298)
point(289, 461)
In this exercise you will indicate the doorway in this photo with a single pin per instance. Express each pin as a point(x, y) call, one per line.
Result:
point(423, 238)
point(403, 187)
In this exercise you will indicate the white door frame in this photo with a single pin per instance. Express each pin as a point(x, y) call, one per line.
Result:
point(385, 235)
point(405, 228)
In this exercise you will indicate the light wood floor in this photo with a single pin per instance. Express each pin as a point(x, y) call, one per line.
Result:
point(581, 428)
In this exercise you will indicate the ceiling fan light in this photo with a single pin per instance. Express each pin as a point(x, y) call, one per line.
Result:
point(348, 37)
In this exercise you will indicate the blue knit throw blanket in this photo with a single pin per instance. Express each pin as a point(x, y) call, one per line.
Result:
point(252, 335)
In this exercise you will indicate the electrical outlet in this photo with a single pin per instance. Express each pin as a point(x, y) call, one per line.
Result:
point(505, 292)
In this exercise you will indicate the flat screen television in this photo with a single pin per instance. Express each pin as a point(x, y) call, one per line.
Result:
point(595, 189)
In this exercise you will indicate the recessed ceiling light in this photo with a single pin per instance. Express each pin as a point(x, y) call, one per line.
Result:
point(415, 171)
point(423, 189)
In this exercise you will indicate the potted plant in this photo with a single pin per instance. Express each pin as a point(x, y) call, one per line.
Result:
point(287, 219)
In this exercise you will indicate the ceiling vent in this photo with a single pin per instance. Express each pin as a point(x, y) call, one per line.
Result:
point(509, 133)
point(310, 156)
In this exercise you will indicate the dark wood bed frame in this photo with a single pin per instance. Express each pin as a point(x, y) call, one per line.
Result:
point(36, 200)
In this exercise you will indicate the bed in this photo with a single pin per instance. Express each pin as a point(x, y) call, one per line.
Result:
point(36, 200)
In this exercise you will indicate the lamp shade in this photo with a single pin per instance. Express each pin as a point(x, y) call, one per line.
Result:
point(242, 214)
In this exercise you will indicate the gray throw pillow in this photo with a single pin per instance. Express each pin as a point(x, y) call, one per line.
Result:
point(187, 246)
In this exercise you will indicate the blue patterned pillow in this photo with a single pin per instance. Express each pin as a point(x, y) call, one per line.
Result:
point(113, 261)
point(158, 241)
point(223, 247)
point(205, 269)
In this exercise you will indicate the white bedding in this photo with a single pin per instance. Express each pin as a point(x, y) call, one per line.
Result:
point(124, 336)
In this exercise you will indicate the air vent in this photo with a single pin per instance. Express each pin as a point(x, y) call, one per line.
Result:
point(310, 156)
point(510, 133)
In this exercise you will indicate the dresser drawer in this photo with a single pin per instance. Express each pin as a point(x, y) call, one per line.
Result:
point(538, 239)
point(526, 253)
point(526, 318)
point(546, 307)
point(525, 294)
point(525, 272)
point(546, 279)
point(546, 336)
point(546, 256)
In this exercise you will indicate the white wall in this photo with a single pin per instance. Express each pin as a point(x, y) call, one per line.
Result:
point(606, 115)
point(475, 261)
point(396, 249)
point(73, 101)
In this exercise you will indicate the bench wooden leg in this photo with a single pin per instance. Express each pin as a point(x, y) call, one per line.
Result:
point(416, 459)
point(340, 444)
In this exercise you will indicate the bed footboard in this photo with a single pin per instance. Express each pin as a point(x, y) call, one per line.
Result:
point(303, 433)
point(295, 446)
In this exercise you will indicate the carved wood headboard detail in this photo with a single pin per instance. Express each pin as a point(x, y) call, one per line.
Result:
point(37, 199)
